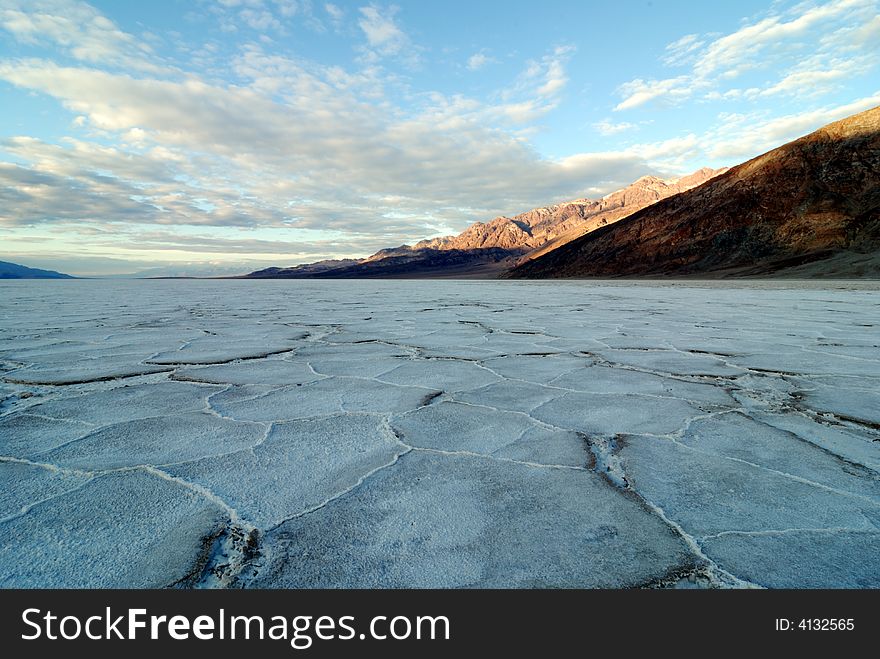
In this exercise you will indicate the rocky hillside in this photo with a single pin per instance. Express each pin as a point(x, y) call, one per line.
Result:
point(611, 208)
point(304, 270)
point(488, 263)
point(811, 200)
point(540, 228)
point(16, 271)
point(488, 248)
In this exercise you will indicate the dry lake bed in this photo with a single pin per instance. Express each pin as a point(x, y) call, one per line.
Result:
point(439, 434)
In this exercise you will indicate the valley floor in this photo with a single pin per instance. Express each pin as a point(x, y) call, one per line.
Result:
point(439, 434)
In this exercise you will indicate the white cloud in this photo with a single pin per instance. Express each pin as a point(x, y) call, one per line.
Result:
point(639, 92)
point(807, 82)
point(78, 29)
point(673, 152)
point(537, 90)
point(321, 157)
point(743, 136)
point(329, 155)
point(288, 8)
point(683, 50)
point(556, 79)
point(744, 48)
point(868, 33)
point(381, 30)
point(478, 60)
point(260, 19)
point(826, 43)
point(335, 12)
point(607, 128)
point(265, 16)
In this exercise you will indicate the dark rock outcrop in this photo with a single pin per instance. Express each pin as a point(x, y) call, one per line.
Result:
point(304, 270)
point(422, 263)
point(15, 271)
point(814, 199)
point(486, 249)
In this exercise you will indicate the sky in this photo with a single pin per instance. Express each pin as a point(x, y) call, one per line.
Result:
point(222, 136)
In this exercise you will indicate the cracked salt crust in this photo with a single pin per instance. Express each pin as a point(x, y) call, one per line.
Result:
point(452, 434)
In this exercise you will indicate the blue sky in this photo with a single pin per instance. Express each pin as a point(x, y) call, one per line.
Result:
point(225, 135)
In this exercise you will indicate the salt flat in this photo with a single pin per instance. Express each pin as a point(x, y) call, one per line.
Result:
point(439, 434)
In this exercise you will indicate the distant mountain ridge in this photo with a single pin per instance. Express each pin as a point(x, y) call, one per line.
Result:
point(15, 271)
point(812, 205)
point(304, 269)
point(489, 248)
point(486, 263)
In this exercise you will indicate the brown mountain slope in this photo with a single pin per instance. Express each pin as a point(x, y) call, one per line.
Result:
point(538, 228)
point(486, 263)
point(812, 199)
point(613, 207)
point(486, 249)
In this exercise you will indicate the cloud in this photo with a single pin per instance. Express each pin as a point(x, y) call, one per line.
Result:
point(478, 60)
point(639, 92)
point(537, 90)
point(674, 152)
point(314, 148)
point(240, 3)
point(744, 48)
point(325, 160)
point(554, 74)
point(259, 19)
point(607, 128)
point(824, 43)
point(683, 51)
point(746, 135)
point(289, 8)
point(309, 151)
point(335, 12)
point(383, 33)
point(556, 80)
point(265, 16)
point(865, 34)
point(78, 29)
point(807, 81)
point(83, 181)
point(168, 241)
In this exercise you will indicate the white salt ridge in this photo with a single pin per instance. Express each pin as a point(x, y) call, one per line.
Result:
point(107, 534)
point(456, 427)
point(156, 441)
point(436, 520)
point(439, 434)
point(611, 414)
point(269, 372)
point(300, 465)
point(440, 374)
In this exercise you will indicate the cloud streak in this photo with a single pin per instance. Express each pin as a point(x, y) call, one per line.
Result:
point(313, 148)
point(816, 46)
point(317, 159)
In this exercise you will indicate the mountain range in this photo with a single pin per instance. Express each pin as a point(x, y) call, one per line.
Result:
point(14, 271)
point(489, 249)
point(807, 208)
point(810, 207)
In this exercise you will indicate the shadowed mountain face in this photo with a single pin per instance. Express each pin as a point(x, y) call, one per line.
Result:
point(572, 220)
point(486, 249)
point(811, 202)
point(486, 263)
point(542, 229)
point(304, 270)
point(15, 271)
